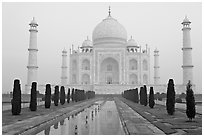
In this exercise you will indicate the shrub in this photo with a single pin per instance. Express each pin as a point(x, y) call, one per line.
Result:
point(62, 95)
point(182, 95)
point(156, 96)
point(56, 96)
point(178, 100)
point(68, 95)
point(160, 98)
point(145, 95)
point(190, 102)
point(170, 102)
point(151, 98)
point(16, 101)
point(47, 96)
point(33, 98)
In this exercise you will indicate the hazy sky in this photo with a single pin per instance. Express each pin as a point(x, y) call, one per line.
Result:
point(63, 24)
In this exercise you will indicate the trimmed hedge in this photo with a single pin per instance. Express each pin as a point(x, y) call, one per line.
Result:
point(33, 98)
point(48, 96)
point(151, 98)
point(16, 101)
point(190, 102)
point(170, 102)
point(62, 95)
point(56, 96)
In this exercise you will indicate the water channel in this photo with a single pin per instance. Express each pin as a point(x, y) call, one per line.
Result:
point(99, 119)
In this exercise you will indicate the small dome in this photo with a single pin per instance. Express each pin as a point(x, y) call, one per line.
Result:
point(186, 20)
point(109, 30)
point(64, 51)
point(156, 50)
point(33, 22)
point(131, 43)
point(87, 43)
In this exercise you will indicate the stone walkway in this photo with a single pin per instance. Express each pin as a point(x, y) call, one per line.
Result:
point(134, 123)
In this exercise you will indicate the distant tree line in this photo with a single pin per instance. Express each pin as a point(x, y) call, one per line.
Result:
point(73, 95)
point(132, 94)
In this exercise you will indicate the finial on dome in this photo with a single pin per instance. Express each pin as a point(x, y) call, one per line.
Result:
point(131, 37)
point(109, 11)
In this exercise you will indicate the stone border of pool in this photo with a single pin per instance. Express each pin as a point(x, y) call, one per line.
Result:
point(35, 124)
point(122, 120)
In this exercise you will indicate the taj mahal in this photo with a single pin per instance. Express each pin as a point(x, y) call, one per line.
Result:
point(110, 62)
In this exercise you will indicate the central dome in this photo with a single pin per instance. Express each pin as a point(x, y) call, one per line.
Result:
point(108, 31)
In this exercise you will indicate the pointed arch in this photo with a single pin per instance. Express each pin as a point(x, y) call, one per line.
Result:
point(85, 64)
point(133, 79)
point(85, 79)
point(133, 64)
point(145, 65)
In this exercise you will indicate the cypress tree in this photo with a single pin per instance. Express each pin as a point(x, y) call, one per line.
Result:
point(33, 98)
point(145, 95)
point(47, 96)
point(190, 102)
point(136, 96)
point(62, 95)
point(56, 96)
point(16, 101)
point(141, 96)
point(68, 95)
point(151, 98)
point(170, 102)
point(72, 96)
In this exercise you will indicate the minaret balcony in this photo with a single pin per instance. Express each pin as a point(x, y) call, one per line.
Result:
point(187, 48)
point(32, 29)
point(187, 66)
point(32, 67)
point(32, 49)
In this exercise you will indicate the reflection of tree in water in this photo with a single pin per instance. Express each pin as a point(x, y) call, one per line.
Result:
point(75, 131)
point(92, 116)
point(95, 111)
point(56, 125)
point(62, 122)
point(47, 131)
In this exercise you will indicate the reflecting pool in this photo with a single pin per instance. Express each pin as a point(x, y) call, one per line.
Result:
point(98, 119)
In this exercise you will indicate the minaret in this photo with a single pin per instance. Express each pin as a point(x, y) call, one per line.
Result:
point(156, 67)
point(187, 52)
point(64, 68)
point(32, 58)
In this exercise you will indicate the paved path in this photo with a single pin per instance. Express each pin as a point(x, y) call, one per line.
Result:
point(181, 106)
point(134, 123)
point(33, 124)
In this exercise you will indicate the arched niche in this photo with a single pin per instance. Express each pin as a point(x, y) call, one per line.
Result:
point(109, 71)
point(85, 64)
point(133, 79)
point(133, 64)
point(85, 79)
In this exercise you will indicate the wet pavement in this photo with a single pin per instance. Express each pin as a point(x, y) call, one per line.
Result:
point(99, 119)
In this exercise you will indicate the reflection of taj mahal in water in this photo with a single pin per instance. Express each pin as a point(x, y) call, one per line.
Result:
point(110, 63)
